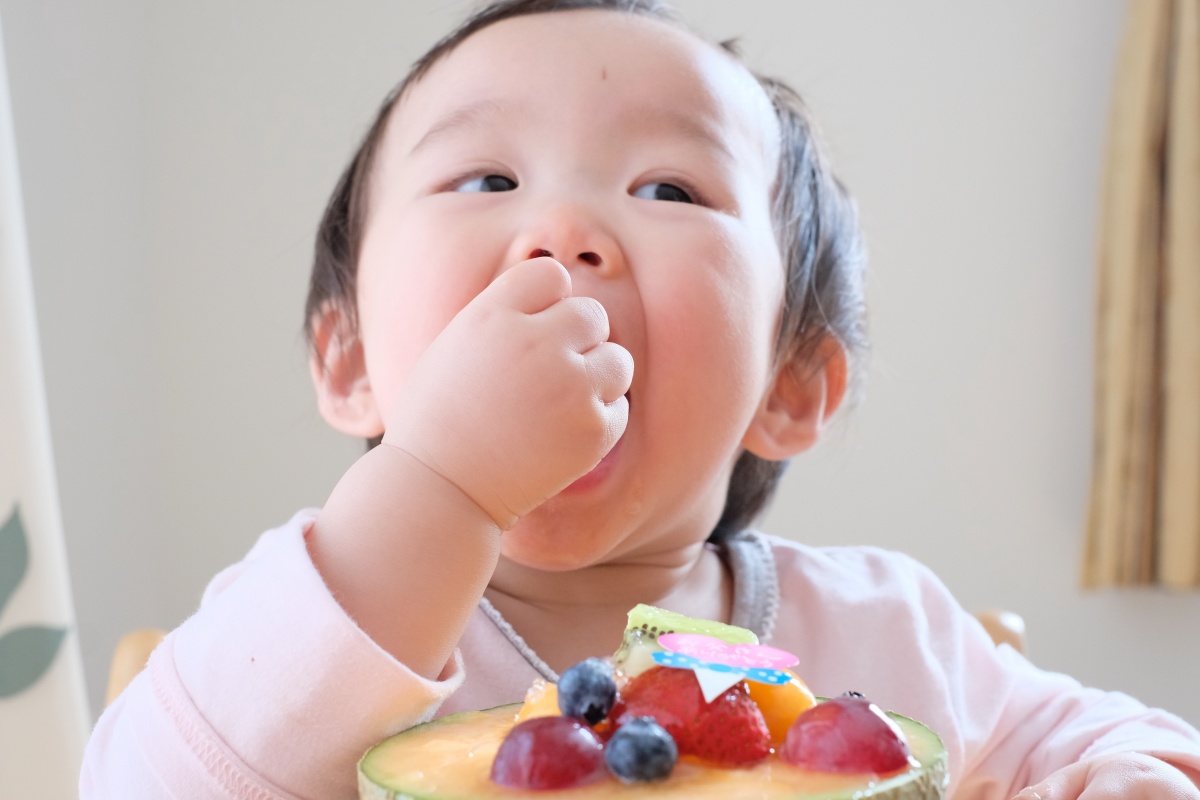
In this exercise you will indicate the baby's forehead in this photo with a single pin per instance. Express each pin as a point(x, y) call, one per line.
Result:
point(656, 65)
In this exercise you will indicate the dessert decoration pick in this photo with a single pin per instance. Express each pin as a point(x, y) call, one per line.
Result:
point(710, 648)
point(719, 665)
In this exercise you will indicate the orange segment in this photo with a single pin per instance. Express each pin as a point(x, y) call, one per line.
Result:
point(540, 701)
point(781, 704)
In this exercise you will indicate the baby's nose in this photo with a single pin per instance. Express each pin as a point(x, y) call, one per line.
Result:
point(587, 257)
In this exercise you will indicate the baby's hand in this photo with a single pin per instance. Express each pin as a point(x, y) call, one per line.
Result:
point(1131, 776)
point(521, 394)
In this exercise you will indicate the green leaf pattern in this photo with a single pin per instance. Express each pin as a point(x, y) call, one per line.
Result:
point(14, 556)
point(26, 652)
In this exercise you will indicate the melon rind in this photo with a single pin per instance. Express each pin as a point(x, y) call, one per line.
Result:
point(369, 785)
point(928, 784)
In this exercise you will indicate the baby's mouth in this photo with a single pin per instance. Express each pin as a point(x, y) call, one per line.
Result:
point(598, 473)
point(601, 471)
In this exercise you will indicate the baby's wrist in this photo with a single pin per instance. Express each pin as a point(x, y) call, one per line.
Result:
point(440, 486)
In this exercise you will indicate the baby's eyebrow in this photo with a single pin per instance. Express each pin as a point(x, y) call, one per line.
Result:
point(659, 121)
point(668, 121)
point(472, 115)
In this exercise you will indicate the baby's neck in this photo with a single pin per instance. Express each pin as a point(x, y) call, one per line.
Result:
point(568, 616)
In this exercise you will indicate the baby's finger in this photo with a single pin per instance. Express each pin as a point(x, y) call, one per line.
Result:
point(1066, 784)
point(610, 369)
point(616, 417)
point(581, 322)
point(531, 286)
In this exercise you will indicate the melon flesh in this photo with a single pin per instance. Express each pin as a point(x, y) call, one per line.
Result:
point(450, 759)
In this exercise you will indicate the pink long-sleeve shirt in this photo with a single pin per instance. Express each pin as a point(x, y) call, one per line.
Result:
point(271, 691)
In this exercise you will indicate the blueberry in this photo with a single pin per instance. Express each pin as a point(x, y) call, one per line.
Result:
point(641, 751)
point(587, 690)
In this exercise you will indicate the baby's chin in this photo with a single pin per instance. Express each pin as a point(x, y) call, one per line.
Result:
point(542, 545)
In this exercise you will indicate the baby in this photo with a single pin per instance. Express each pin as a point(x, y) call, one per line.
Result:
point(581, 391)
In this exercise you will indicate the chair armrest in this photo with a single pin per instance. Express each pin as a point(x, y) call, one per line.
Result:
point(129, 657)
point(1005, 627)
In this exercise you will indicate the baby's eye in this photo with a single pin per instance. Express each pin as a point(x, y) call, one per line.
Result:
point(663, 191)
point(487, 183)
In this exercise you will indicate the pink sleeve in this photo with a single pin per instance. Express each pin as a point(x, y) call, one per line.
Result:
point(878, 622)
point(270, 690)
point(1017, 723)
point(1048, 721)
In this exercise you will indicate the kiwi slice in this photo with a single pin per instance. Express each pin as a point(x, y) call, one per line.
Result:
point(640, 642)
point(654, 621)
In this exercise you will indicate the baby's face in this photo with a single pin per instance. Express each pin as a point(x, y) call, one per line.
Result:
point(642, 159)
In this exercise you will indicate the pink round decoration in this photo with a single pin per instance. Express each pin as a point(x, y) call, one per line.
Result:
point(710, 648)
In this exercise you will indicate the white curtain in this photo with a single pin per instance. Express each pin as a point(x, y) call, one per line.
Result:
point(44, 716)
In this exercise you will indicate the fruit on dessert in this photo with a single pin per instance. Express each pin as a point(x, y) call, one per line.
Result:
point(587, 690)
point(541, 700)
point(451, 759)
point(641, 751)
point(645, 625)
point(685, 709)
point(846, 734)
point(549, 753)
point(781, 704)
point(654, 621)
point(729, 731)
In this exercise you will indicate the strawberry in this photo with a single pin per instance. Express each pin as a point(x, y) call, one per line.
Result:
point(729, 731)
point(671, 696)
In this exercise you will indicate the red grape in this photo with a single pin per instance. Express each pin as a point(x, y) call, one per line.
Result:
point(549, 753)
point(846, 734)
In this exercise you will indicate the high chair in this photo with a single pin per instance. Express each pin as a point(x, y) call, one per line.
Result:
point(1005, 627)
point(129, 657)
point(133, 650)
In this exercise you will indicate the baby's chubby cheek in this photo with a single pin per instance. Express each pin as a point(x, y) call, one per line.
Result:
point(396, 344)
point(405, 300)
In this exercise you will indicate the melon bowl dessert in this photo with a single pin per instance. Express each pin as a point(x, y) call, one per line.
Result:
point(685, 709)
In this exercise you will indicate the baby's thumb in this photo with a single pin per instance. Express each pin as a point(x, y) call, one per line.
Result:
point(1066, 784)
point(1029, 793)
point(531, 286)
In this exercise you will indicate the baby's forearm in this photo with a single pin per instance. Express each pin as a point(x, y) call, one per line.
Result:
point(519, 395)
point(407, 554)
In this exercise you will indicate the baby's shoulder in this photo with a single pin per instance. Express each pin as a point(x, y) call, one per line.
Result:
point(275, 550)
point(884, 595)
point(859, 563)
point(844, 577)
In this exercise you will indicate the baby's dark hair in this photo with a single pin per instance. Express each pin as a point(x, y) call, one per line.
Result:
point(816, 225)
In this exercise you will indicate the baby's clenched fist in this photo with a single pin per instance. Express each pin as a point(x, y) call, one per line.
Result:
point(521, 394)
point(1118, 776)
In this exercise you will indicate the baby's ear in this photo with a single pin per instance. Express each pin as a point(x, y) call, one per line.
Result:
point(339, 374)
point(799, 403)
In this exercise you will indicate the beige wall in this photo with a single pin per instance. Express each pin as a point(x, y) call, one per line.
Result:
point(176, 157)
